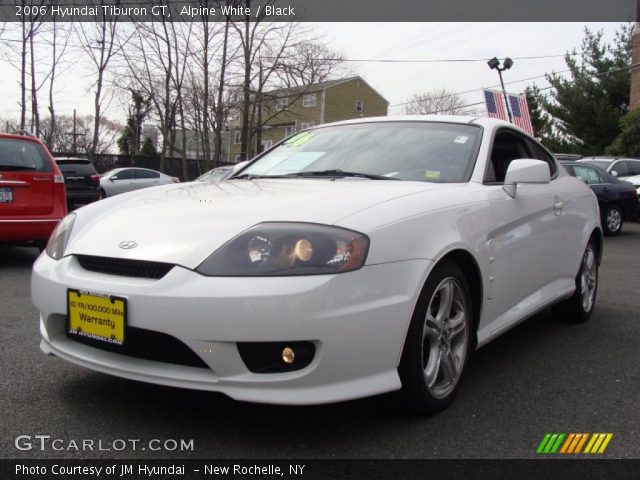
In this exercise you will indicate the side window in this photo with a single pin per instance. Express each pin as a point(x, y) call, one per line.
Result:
point(126, 174)
point(621, 169)
point(506, 148)
point(634, 168)
point(538, 153)
point(587, 174)
point(147, 174)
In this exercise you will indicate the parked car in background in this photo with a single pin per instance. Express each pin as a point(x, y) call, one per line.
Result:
point(121, 180)
point(620, 167)
point(349, 260)
point(618, 199)
point(81, 180)
point(635, 180)
point(221, 173)
point(569, 157)
point(32, 192)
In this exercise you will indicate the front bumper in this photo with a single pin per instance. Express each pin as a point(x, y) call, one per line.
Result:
point(83, 197)
point(356, 320)
point(27, 229)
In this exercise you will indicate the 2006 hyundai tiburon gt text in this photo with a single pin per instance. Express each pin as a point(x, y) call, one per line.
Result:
point(350, 259)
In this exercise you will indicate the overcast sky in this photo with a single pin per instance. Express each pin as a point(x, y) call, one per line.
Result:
point(395, 81)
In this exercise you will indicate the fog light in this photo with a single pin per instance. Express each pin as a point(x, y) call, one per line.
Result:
point(288, 356)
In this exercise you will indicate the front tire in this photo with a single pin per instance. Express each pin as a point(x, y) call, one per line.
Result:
point(438, 342)
point(579, 307)
point(612, 221)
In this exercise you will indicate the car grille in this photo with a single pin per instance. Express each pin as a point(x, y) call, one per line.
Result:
point(124, 267)
point(148, 345)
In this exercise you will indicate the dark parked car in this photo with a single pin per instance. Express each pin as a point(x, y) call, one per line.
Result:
point(618, 199)
point(81, 179)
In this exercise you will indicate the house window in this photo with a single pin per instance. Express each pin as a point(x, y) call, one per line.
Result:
point(267, 144)
point(290, 130)
point(306, 125)
point(309, 100)
point(282, 103)
point(359, 106)
point(237, 137)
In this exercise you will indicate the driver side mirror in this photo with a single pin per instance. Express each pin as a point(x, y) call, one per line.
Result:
point(526, 170)
point(111, 179)
point(614, 173)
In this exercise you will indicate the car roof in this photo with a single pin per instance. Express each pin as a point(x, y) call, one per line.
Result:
point(468, 119)
point(14, 136)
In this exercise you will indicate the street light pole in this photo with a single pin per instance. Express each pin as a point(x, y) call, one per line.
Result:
point(494, 64)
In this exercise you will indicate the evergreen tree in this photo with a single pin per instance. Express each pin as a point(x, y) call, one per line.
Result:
point(129, 141)
point(585, 111)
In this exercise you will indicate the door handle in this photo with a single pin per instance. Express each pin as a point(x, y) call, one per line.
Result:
point(558, 206)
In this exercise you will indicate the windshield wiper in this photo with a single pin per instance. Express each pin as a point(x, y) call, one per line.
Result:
point(340, 173)
point(250, 176)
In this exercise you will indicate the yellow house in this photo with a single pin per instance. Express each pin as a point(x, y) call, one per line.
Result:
point(289, 110)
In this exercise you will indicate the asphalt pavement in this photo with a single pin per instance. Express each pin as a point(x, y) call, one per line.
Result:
point(542, 376)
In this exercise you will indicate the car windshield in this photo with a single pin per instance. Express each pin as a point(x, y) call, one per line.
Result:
point(415, 151)
point(23, 155)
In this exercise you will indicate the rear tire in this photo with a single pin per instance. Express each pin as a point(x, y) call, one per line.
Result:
point(580, 305)
point(438, 342)
point(612, 220)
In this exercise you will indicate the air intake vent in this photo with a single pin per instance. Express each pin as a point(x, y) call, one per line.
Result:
point(124, 267)
point(149, 345)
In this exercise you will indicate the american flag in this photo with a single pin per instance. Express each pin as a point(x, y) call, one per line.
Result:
point(496, 108)
point(520, 112)
point(495, 105)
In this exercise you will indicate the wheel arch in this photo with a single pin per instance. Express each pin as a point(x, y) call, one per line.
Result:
point(598, 237)
point(470, 267)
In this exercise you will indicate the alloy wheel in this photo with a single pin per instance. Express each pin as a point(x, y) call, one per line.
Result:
point(588, 278)
point(445, 337)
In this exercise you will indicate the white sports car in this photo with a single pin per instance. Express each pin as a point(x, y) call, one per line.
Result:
point(352, 259)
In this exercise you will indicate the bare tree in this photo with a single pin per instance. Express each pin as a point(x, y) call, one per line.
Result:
point(157, 65)
point(60, 36)
point(439, 101)
point(108, 133)
point(263, 47)
point(309, 62)
point(100, 44)
point(29, 27)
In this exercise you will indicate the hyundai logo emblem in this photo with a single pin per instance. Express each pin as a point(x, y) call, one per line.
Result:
point(128, 244)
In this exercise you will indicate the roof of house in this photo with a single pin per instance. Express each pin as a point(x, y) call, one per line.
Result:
point(314, 87)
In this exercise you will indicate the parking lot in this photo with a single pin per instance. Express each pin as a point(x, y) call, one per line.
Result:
point(543, 376)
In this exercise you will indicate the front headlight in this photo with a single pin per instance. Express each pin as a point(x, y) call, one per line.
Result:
point(283, 249)
point(58, 240)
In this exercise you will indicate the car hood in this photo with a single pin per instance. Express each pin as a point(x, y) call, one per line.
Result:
point(184, 224)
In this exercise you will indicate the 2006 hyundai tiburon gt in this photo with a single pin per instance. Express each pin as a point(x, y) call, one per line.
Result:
point(350, 259)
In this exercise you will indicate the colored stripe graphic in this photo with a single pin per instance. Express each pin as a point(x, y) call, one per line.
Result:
point(550, 443)
point(598, 442)
point(573, 443)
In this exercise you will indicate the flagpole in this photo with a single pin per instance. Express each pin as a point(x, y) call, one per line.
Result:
point(494, 64)
point(506, 97)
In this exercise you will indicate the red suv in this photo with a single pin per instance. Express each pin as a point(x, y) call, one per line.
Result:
point(32, 192)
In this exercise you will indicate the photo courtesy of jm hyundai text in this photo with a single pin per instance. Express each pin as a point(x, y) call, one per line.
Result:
point(351, 259)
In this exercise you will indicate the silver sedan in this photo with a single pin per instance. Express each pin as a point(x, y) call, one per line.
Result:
point(121, 180)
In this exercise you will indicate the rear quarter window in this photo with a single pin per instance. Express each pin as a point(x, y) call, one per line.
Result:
point(23, 155)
